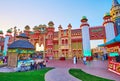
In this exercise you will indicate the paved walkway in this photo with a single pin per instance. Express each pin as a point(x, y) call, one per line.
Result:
point(98, 68)
point(6, 69)
point(59, 74)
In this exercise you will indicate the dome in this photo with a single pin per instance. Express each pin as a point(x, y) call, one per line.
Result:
point(50, 23)
point(84, 17)
point(9, 31)
point(21, 44)
point(1, 32)
point(107, 14)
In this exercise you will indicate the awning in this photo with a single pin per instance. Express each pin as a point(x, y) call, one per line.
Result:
point(116, 39)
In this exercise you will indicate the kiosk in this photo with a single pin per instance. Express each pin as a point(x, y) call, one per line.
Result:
point(19, 52)
point(113, 48)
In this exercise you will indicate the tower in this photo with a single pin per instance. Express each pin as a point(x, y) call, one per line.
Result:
point(115, 13)
point(85, 36)
point(50, 34)
point(59, 41)
point(109, 27)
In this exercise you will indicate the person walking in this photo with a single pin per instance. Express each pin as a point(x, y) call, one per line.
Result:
point(84, 60)
point(75, 60)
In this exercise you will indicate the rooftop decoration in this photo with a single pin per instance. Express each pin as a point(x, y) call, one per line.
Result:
point(84, 19)
point(50, 24)
point(42, 25)
point(107, 14)
point(24, 44)
point(27, 27)
point(35, 28)
point(1, 32)
point(60, 27)
point(69, 25)
point(9, 31)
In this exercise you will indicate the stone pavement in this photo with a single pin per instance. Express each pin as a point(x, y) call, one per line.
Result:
point(6, 69)
point(59, 74)
point(98, 68)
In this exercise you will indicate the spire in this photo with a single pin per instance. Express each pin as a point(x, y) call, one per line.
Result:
point(115, 2)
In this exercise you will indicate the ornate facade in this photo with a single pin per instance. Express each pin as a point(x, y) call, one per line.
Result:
point(69, 42)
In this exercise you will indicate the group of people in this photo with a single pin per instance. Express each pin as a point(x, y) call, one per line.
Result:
point(38, 65)
point(32, 66)
point(3, 59)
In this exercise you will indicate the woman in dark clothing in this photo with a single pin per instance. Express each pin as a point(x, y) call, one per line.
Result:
point(35, 66)
point(31, 66)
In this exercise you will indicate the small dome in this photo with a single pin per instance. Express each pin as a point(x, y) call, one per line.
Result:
point(69, 25)
point(44, 25)
point(21, 44)
point(1, 32)
point(9, 31)
point(107, 14)
point(50, 24)
point(84, 17)
point(27, 27)
point(60, 27)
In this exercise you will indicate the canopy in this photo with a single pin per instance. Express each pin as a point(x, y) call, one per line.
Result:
point(116, 39)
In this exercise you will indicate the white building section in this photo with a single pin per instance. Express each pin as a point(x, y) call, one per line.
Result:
point(110, 34)
point(85, 38)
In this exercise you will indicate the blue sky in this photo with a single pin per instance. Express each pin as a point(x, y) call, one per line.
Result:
point(35, 12)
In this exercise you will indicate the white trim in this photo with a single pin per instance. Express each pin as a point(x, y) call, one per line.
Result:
point(114, 71)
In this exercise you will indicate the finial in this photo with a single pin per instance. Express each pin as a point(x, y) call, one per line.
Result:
point(60, 27)
point(69, 25)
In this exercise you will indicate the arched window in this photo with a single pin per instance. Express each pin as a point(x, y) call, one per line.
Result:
point(66, 41)
point(63, 42)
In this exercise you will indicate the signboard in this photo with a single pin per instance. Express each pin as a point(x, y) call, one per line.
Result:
point(97, 33)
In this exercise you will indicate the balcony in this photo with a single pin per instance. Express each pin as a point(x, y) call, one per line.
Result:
point(64, 47)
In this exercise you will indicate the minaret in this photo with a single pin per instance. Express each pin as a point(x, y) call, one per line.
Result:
point(109, 27)
point(115, 13)
point(85, 36)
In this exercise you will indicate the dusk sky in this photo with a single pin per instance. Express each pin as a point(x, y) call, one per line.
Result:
point(20, 13)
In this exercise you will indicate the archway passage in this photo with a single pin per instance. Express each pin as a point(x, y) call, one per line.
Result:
point(39, 47)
